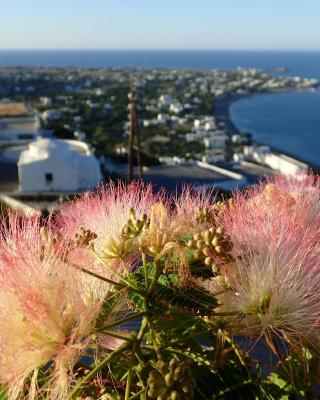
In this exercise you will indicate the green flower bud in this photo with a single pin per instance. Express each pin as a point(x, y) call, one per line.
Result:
point(178, 373)
point(191, 243)
point(214, 268)
point(132, 213)
point(215, 241)
point(197, 254)
point(186, 389)
point(168, 379)
point(173, 364)
point(162, 366)
point(200, 244)
point(207, 236)
point(196, 236)
point(175, 395)
point(218, 249)
point(206, 251)
point(208, 261)
point(152, 393)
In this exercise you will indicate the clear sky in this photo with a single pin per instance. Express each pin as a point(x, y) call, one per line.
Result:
point(156, 24)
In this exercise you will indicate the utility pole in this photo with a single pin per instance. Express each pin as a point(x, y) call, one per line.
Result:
point(134, 134)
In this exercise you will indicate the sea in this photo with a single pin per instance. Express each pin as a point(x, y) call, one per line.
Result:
point(288, 121)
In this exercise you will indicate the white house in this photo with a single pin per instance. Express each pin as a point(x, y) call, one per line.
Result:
point(58, 165)
point(217, 141)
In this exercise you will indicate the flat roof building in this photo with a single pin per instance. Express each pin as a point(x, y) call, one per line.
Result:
point(19, 129)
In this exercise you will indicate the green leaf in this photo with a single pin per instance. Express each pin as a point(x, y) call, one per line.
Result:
point(190, 299)
point(113, 299)
point(3, 395)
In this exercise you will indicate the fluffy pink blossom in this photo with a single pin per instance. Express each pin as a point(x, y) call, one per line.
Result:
point(189, 207)
point(46, 312)
point(105, 213)
point(275, 278)
point(267, 208)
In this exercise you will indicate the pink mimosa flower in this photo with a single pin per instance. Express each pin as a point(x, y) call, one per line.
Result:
point(106, 213)
point(276, 276)
point(46, 310)
point(193, 211)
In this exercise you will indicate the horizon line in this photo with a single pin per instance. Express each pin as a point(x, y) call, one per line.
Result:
point(161, 49)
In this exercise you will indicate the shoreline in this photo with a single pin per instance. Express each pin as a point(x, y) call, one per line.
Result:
point(221, 112)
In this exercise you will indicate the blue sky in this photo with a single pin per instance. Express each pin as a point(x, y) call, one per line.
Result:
point(156, 24)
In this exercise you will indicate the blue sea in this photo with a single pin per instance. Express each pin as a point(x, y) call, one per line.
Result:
point(288, 121)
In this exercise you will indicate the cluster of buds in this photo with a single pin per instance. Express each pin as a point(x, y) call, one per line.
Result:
point(211, 246)
point(171, 382)
point(220, 207)
point(85, 237)
point(203, 214)
point(49, 241)
point(119, 248)
point(48, 238)
point(134, 225)
point(156, 240)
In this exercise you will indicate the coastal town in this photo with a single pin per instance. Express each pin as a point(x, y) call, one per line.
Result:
point(67, 130)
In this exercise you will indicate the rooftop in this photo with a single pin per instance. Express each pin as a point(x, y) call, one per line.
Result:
point(174, 177)
point(13, 109)
point(54, 148)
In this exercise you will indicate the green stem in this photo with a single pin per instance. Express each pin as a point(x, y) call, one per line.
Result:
point(124, 347)
point(157, 273)
point(147, 322)
point(145, 267)
point(102, 278)
point(228, 314)
point(120, 335)
point(143, 327)
point(138, 353)
point(236, 350)
point(113, 270)
point(129, 378)
point(135, 396)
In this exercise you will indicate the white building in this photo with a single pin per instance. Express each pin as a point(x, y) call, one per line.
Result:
point(214, 156)
point(50, 115)
point(46, 101)
point(278, 162)
point(176, 108)
point(162, 118)
point(207, 123)
point(165, 100)
point(217, 141)
point(57, 165)
point(210, 125)
point(19, 129)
